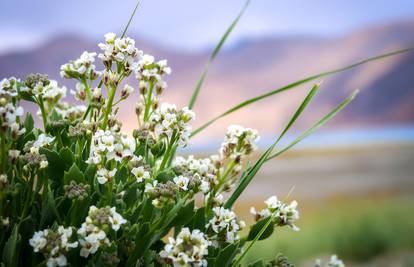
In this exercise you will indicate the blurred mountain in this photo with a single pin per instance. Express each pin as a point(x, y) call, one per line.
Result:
point(255, 66)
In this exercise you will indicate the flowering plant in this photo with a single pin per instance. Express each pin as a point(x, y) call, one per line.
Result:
point(81, 192)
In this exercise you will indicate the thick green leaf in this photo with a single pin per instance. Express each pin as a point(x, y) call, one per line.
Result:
point(255, 229)
point(28, 122)
point(214, 54)
point(295, 84)
point(11, 248)
point(198, 221)
point(74, 174)
point(56, 166)
point(227, 254)
point(183, 216)
point(67, 157)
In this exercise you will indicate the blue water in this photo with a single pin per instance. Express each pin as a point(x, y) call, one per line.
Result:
point(332, 138)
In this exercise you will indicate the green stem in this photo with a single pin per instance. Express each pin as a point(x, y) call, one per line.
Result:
point(43, 111)
point(109, 106)
point(148, 102)
point(168, 152)
point(225, 174)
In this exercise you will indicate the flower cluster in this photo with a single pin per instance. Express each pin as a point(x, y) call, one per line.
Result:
point(9, 118)
point(283, 214)
point(187, 249)
point(238, 142)
point(200, 169)
point(121, 50)
point(41, 87)
point(333, 262)
point(169, 122)
point(53, 244)
point(81, 68)
point(111, 145)
point(8, 87)
point(225, 225)
point(93, 232)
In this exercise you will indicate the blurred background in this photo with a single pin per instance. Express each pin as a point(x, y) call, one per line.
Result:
point(353, 178)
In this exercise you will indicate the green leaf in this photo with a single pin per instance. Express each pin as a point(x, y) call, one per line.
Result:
point(28, 122)
point(227, 254)
point(26, 96)
point(183, 216)
point(67, 157)
point(255, 229)
point(248, 176)
point(11, 248)
point(90, 173)
point(56, 166)
point(74, 174)
point(214, 54)
point(295, 84)
point(317, 125)
point(198, 221)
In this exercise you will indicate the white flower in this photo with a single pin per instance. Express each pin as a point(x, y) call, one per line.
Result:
point(59, 260)
point(187, 249)
point(225, 222)
point(201, 169)
point(80, 67)
point(238, 142)
point(181, 182)
point(149, 187)
point(167, 119)
point(116, 220)
point(283, 214)
point(43, 164)
point(126, 90)
point(38, 241)
point(140, 173)
point(92, 234)
point(42, 140)
point(110, 37)
point(103, 175)
point(53, 244)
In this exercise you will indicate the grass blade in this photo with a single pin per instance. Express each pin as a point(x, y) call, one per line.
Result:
point(213, 56)
point(130, 19)
point(295, 84)
point(259, 234)
point(248, 176)
point(317, 125)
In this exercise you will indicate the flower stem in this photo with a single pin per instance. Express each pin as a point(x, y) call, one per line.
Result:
point(109, 106)
point(43, 111)
point(148, 102)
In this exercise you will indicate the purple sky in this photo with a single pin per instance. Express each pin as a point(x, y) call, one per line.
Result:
point(190, 24)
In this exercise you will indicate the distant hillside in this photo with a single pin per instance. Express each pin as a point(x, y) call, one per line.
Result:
point(255, 66)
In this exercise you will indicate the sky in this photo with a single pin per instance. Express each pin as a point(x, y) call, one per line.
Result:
point(190, 24)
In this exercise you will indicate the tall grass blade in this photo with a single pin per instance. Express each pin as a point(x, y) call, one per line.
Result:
point(130, 19)
point(213, 56)
point(259, 234)
point(317, 125)
point(247, 177)
point(295, 84)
